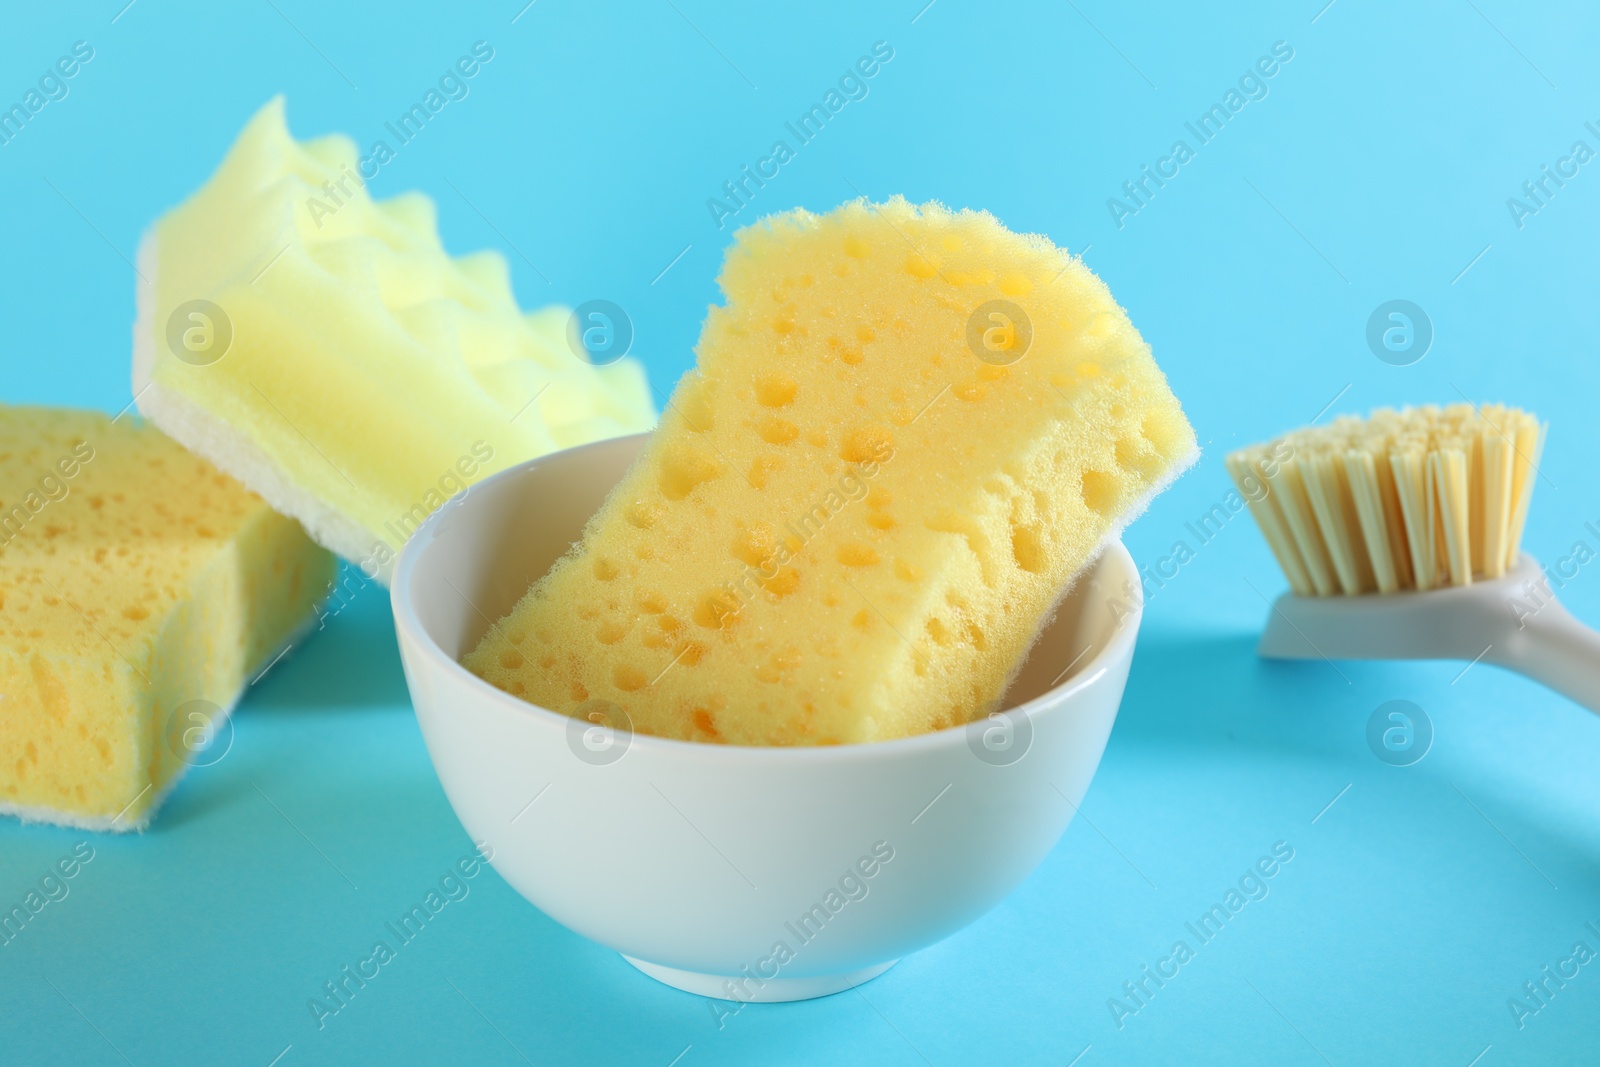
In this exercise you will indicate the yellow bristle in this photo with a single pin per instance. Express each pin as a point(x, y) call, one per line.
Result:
point(1296, 509)
point(1527, 440)
point(1409, 465)
point(1250, 470)
point(1448, 469)
point(1408, 499)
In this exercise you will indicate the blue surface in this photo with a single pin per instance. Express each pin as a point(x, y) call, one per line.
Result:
point(1377, 167)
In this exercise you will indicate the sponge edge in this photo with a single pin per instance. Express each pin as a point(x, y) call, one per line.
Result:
point(350, 371)
point(235, 454)
point(854, 520)
point(1133, 600)
point(142, 809)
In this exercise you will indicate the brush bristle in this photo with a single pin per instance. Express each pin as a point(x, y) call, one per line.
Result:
point(1409, 499)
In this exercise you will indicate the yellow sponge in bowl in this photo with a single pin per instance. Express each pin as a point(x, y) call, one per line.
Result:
point(322, 348)
point(139, 588)
point(908, 430)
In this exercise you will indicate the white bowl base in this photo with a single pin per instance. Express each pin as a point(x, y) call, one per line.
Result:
point(771, 991)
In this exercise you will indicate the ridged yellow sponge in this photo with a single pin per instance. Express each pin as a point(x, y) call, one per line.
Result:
point(322, 348)
point(909, 429)
point(139, 587)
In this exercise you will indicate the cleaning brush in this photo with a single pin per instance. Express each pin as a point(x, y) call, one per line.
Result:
point(1400, 536)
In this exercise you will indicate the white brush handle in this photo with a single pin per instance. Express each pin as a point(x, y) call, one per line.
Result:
point(1557, 650)
point(1513, 621)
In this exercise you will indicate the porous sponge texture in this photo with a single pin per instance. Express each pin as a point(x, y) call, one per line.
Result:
point(346, 368)
point(134, 579)
point(850, 527)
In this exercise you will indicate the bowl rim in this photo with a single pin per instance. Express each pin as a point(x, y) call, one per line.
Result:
point(403, 606)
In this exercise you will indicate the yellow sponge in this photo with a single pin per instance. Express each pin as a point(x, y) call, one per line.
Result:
point(139, 587)
point(908, 430)
point(322, 348)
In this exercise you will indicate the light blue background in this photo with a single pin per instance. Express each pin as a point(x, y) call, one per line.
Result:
point(1378, 167)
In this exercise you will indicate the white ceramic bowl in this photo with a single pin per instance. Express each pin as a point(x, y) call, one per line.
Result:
point(744, 873)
